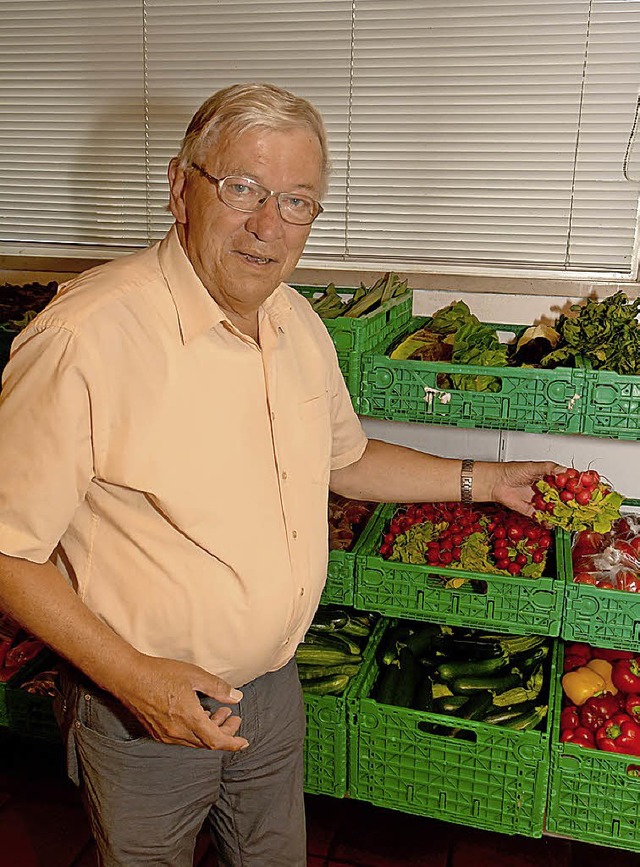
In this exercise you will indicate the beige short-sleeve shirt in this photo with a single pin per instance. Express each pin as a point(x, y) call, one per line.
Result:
point(175, 470)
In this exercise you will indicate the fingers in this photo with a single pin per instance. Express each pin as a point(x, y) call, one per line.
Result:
point(216, 687)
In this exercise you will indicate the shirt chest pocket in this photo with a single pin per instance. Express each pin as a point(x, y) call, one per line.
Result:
point(315, 438)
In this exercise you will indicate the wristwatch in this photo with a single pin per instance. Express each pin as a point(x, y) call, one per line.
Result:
point(466, 482)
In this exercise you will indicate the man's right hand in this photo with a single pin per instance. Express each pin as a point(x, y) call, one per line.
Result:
point(161, 694)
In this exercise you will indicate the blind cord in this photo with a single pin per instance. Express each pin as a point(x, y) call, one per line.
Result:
point(632, 135)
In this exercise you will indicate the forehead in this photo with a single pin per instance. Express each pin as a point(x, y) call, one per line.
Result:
point(280, 159)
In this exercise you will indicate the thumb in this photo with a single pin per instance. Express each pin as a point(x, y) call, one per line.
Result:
point(216, 687)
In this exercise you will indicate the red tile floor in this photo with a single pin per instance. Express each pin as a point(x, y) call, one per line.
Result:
point(42, 825)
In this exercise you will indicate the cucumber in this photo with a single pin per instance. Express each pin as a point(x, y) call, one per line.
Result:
point(307, 654)
point(467, 668)
point(496, 683)
point(310, 672)
point(332, 684)
point(328, 620)
point(450, 704)
point(355, 628)
point(335, 640)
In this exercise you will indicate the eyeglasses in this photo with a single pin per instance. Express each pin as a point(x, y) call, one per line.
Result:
point(244, 194)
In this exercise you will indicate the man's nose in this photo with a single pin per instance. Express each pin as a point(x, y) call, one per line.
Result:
point(266, 222)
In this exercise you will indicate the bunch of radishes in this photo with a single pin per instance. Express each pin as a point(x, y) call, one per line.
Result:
point(576, 500)
point(483, 538)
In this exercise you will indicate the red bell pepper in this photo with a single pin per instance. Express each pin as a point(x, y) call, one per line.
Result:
point(570, 663)
point(597, 710)
point(612, 655)
point(621, 734)
point(626, 674)
point(632, 706)
point(577, 648)
point(580, 736)
point(569, 718)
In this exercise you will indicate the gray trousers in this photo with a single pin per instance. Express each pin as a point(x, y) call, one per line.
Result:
point(147, 801)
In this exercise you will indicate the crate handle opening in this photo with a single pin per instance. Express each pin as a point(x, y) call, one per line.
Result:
point(633, 772)
point(424, 727)
point(443, 381)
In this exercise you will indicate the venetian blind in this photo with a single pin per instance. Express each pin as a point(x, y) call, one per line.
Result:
point(463, 132)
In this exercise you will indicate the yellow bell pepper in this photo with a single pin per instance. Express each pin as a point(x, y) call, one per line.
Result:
point(604, 669)
point(581, 683)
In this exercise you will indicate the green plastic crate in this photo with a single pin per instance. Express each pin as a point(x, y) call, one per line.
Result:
point(504, 603)
point(339, 589)
point(496, 781)
point(340, 578)
point(325, 746)
point(27, 714)
point(604, 618)
point(594, 796)
point(353, 337)
point(612, 405)
point(540, 401)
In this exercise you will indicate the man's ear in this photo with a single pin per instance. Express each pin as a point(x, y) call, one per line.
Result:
point(177, 183)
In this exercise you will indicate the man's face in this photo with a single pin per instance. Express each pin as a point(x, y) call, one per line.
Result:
point(241, 257)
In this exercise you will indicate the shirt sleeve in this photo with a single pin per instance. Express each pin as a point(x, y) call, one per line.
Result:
point(46, 454)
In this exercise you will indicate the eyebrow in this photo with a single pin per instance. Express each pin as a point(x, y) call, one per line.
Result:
point(241, 173)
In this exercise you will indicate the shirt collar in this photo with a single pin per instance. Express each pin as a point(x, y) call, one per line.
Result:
point(197, 311)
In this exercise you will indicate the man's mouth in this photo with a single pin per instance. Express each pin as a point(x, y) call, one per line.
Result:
point(256, 260)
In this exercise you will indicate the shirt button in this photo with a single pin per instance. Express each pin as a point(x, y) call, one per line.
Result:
point(294, 533)
point(287, 641)
point(273, 415)
point(302, 591)
point(284, 475)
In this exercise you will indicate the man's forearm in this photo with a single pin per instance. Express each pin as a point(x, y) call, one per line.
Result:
point(43, 602)
point(388, 473)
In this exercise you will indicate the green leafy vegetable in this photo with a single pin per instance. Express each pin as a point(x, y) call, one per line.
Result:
point(603, 334)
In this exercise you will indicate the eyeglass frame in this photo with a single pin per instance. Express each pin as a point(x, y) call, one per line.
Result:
point(218, 182)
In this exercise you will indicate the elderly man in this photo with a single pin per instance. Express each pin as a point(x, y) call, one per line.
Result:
point(169, 428)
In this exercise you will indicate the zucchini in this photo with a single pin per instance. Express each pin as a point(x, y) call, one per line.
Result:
point(399, 681)
point(495, 683)
point(424, 695)
point(504, 715)
point(450, 704)
point(476, 706)
point(393, 638)
point(420, 642)
point(528, 663)
point(332, 684)
point(467, 668)
point(466, 648)
point(528, 720)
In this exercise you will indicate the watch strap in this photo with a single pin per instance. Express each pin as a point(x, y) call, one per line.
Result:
point(466, 482)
